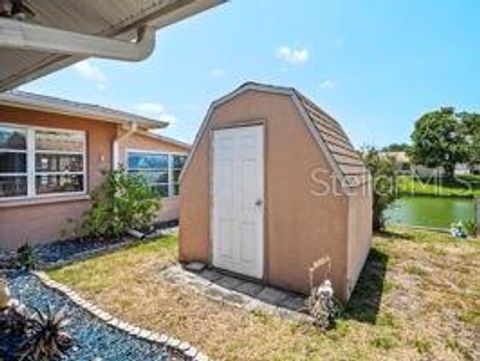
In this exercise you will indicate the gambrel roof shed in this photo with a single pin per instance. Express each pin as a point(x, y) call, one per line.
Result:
point(344, 159)
point(271, 185)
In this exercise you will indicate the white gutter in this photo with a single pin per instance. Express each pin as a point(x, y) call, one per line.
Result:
point(21, 35)
point(116, 145)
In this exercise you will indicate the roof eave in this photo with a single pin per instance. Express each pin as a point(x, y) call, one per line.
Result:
point(11, 100)
point(55, 62)
point(163, 138)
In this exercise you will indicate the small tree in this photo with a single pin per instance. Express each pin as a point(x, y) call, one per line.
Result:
point(383, 174)
point(124, 201)
point(396, 147)
point(438, 140)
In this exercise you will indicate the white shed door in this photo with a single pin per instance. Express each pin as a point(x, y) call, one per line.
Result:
point(238, 200)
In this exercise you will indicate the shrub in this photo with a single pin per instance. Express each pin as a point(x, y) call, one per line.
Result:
point(384, 182)
point(470, 227)
point(27, 258)
point(124, 201)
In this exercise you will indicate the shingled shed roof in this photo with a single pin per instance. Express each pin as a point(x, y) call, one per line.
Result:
point(347, 158)
point(345, 161)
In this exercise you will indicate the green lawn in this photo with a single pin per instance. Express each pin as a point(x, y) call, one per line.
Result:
point(418, 298)
point(463, 186)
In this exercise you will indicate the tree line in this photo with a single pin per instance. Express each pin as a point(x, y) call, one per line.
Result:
point(444, 138)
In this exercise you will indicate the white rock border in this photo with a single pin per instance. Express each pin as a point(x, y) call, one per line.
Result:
point(171, 343)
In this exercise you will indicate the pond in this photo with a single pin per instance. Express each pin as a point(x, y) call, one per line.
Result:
point(435, 212)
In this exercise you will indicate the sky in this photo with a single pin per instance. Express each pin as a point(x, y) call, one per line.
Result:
point(376, 66)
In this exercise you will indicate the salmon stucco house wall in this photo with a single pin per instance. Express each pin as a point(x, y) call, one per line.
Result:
point(54, 152)
point(273, 184)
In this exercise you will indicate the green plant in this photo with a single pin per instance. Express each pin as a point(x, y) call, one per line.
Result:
point(48, 339)
point(438, 140)
point(27, 258)
point(422, 345)
point(385, 342)
point(124, 201)
point(470, 227)
point(384, 182)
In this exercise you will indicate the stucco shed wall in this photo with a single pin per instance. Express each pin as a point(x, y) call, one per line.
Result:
point(300, 225)
point(359, 231)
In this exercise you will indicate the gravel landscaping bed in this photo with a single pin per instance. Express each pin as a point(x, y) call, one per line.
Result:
point(93, 338)
point(61, 253)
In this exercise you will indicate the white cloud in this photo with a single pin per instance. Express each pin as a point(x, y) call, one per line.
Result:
point(151, 108)
point(156, 111)
point(327, 84)
point(294, 56)
point(218, 73)
point(91, 72)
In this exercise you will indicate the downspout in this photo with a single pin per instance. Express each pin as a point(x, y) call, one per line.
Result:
point(116, 144)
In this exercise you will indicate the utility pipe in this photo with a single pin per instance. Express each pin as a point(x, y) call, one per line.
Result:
point(116, 144)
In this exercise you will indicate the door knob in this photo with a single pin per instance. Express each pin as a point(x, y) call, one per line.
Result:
point(258, 202)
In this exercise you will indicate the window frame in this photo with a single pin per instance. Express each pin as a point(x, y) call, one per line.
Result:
point(170, 155)
point(32, 173)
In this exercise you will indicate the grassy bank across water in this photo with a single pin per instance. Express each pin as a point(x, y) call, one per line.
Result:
point(462, 186)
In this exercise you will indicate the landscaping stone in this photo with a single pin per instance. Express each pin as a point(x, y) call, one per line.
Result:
point(211, 275)
point(201, 357)
point(183, 346)
point(250, 288)
point(93, 338)
point(195, 267)
point(236, 298)
point(65, 252)
point(240, 293)
point(215, 292)
point(294, 303)
point(272, 295)
point(191, 352)
point(228, 282)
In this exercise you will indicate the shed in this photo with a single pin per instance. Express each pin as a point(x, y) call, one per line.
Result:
point(273, 184)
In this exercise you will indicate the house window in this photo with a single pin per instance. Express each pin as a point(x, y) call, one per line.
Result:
point(161, 170)
point(13, 162)
point(37, 162)
point(178, 161)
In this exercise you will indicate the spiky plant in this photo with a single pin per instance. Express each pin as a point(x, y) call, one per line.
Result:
point(14, 320)
point(48, 339)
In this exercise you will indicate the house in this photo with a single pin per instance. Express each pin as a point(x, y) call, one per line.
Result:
point(273, 184)
point(404, 166)
point(402, 162)
point(54, 152)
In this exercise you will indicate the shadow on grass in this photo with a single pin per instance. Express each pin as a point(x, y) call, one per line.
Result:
point(365, 301)
point(394, 235)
